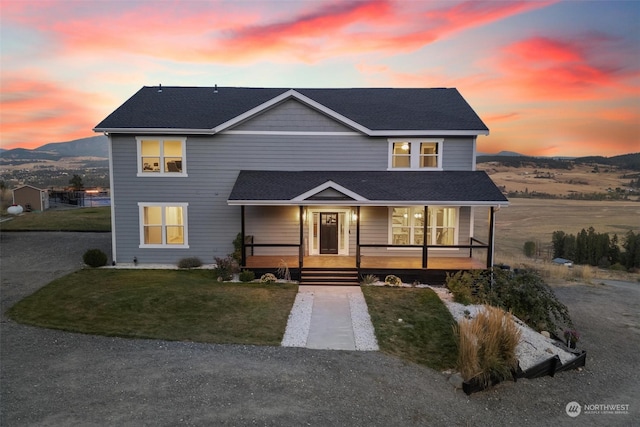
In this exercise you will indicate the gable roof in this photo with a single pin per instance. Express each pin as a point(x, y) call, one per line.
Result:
point(372, 111)
point(375, 188)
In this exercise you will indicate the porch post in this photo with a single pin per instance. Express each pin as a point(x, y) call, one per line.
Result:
point(243, 256)
point(492, 216)
point(357, 236)
point(425, 250)
point(301, 250)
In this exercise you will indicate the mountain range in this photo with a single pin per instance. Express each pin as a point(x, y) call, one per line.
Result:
point(93, 146)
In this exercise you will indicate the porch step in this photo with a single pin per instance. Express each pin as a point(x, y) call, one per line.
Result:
point(329, 277)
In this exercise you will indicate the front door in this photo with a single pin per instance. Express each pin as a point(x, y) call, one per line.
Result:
point(328, 232)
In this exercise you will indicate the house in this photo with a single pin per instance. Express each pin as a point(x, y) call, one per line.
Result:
point(369, 180)
point(31, 198)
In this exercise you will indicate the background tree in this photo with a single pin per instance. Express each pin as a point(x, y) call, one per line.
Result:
point(76, 182)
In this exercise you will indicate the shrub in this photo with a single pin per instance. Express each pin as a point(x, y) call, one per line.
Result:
point(487, 346)
point(392, 280)
point(237, 248)
point(461, 284)
point(247, 276)
point(369, 279)
point(524, 293)
point(95, 258)
point(191, 262)
point(283, 271)
point(618, 267)
point(268, 278)
point(225, 268)
point(529, 248)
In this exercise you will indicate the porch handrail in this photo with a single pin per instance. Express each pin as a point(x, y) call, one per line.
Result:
point(470, 246)
point(278, 245)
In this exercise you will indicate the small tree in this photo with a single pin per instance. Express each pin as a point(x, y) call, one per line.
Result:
point(76, 182)
point(529, 248)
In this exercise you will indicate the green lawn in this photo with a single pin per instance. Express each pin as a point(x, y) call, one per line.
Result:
point(161, 304)
point(188, 305)
point(425, 334)
point(80, 219)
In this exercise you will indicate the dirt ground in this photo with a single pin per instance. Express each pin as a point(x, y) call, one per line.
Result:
point(55, 378)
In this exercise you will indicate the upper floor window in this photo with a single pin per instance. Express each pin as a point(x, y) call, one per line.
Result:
point(161, 156)
point(163, 225)
point(415, 154)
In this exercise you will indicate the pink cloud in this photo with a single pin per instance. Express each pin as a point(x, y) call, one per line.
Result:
point(35, 112)
point(557, 69)
point(221, 33)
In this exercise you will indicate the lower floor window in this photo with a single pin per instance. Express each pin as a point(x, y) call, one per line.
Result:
point(163, 224)
point(408, 225)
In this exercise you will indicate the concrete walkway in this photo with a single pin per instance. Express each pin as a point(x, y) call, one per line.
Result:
point(330, 318)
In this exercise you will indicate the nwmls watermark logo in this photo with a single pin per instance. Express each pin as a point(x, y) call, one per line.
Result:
point(573, 409)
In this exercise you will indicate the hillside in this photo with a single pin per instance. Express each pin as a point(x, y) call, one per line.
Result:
point(548, 178)
point(629, 162)
point(94, 146)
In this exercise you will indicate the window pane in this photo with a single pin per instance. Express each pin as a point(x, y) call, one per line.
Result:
point(152, 215)
point(150, 148)
point(418, 235)
point(153, 235)
point(173, 215)
point(175, 235)
point(401, 155)
point(400, 217)
point(401, 236)
point(151, 164)
point(428, 155)
point(173, 149)
point(172, 164)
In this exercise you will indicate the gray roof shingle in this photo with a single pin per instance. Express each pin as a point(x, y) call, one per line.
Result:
point(377, 109)
point(440, 187)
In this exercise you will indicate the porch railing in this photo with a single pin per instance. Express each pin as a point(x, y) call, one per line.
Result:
point(273, 245)
point(425, 249)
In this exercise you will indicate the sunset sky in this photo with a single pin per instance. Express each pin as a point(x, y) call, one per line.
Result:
point(548, 78)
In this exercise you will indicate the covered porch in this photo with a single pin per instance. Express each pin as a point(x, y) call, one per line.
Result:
point(369, 223)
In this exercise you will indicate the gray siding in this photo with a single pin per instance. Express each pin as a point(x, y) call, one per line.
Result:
point(290, 116)
point(457, 154)
point(213, 163)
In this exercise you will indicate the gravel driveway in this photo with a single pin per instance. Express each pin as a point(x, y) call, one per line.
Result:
point(55, 378)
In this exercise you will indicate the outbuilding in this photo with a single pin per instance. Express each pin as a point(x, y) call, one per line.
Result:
point(31, 198)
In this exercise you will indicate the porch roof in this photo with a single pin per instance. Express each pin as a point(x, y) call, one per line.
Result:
point(366, 188)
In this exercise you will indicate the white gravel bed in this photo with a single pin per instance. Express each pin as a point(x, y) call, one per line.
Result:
point(363, 331)
point(533, 347)
point(297, 331)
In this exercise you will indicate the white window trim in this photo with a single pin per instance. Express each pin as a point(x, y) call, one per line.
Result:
point(434, 247)
point(415, 153)
point(184, 206)
point(161, 173)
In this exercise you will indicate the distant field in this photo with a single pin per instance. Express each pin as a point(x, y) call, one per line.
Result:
point(561, 182)
point(537, 219)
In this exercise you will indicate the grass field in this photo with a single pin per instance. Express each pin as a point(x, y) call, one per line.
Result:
point(161, 304)
point(536, 220)
point(78, 219)
point(414, 324)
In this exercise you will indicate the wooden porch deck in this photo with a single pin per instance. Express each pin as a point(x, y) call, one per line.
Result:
point(367, 262)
